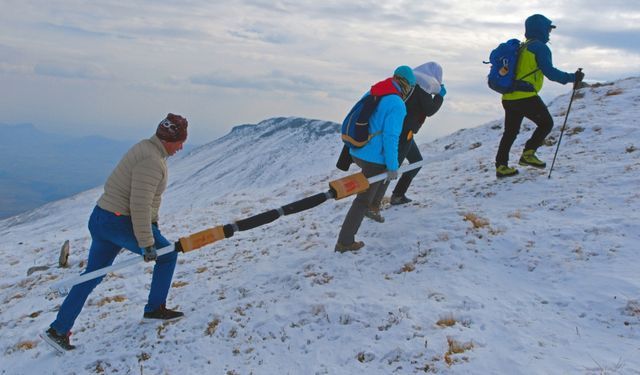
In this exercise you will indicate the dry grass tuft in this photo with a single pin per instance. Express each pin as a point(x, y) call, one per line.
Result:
point(456, 347)
point(15, 296)
point(99, 369)
point(477, 221)
point(201, 269)
point(144, 356)
point(633, 308)
point(614, 92)
point(447, 321)
point(363, 357)
point(26, 345)
point(408, 267)
point(212, 327)
point(105, 300)
point(179, 284)
point(575, 130)
point(516, 215)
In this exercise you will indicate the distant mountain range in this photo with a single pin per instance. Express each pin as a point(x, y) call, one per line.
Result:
point(38, 167)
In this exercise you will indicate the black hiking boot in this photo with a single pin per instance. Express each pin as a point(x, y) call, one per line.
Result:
point(162, 313)
point(59, 342)
point(399, 199)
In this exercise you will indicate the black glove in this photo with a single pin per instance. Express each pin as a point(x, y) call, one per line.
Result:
point(149, 253)
point(579, 76)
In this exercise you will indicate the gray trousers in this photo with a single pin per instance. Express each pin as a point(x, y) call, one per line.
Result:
point(362, 202)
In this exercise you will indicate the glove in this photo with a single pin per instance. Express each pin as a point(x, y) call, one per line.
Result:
point(579, 76)
point(443, 91)
point(391, 175)
point(149, 253)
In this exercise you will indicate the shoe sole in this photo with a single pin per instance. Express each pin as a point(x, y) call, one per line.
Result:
point(376, 220)
point(399, 203)
point(53, 344)
point(506, 175)
point(346, 251)
point(151, 320)
point(524, 163)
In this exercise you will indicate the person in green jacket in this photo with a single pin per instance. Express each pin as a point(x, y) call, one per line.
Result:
point(534, 63)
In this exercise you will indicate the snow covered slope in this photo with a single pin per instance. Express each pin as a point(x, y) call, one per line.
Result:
point(525, 275)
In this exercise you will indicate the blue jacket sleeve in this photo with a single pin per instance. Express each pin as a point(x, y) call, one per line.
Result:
point(391, 132)
point(543, 58)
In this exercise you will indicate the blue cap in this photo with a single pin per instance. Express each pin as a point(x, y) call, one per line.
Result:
point(406, 73)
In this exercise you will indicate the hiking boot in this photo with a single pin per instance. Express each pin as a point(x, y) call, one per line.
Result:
point(163, 313)
point(374, 214)
point(60, 342)
point(505, 171)
point(402, 199)
point(529, 158)
point(357, 245)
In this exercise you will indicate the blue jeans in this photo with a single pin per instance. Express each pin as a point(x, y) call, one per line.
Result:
point(109, 234)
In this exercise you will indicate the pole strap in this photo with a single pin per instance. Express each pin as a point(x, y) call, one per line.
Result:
point(349, 185)
point(202, 238)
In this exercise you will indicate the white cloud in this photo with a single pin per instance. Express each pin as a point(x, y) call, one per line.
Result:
point(244, 61)
point(69, 70)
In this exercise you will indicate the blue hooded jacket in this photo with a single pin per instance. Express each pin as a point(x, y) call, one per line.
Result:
point(386, 119)
point(537, 29)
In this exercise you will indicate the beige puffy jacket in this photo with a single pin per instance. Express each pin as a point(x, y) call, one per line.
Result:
point(135, 187)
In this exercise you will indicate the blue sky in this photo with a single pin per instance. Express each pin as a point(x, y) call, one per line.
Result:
point(116, 67)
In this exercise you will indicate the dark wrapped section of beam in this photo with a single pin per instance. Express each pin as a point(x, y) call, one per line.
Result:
point(228, 230)
point(258, 220)
point(305, 204)
point(178, 246)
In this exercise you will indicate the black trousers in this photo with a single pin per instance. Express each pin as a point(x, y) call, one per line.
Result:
point(515, 111)
point(411, 152)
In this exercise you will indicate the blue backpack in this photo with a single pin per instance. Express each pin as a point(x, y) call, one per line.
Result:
point(502, 75)
point(355, 127)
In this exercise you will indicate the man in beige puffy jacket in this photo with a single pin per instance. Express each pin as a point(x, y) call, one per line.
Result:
point(126, 216)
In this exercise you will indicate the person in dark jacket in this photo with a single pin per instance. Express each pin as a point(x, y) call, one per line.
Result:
point(534, 63)
point(425, 100)
point(380, 154)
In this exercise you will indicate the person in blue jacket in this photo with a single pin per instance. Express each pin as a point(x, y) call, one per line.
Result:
point(426, 99)
point(534, 63)
point(380, 154)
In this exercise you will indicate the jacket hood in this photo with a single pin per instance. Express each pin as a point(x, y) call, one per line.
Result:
point(386, 87)
point(429, 76)
point(538, 27)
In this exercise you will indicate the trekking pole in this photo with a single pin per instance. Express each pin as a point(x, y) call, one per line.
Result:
point(338, 189)
point(575, 87)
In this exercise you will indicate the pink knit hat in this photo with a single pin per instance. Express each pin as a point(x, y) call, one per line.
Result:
point(173, 128)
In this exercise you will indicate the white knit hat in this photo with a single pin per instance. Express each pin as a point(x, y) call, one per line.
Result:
point(429, 76)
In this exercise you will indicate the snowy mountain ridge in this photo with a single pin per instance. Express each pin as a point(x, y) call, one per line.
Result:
point(526, 275)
